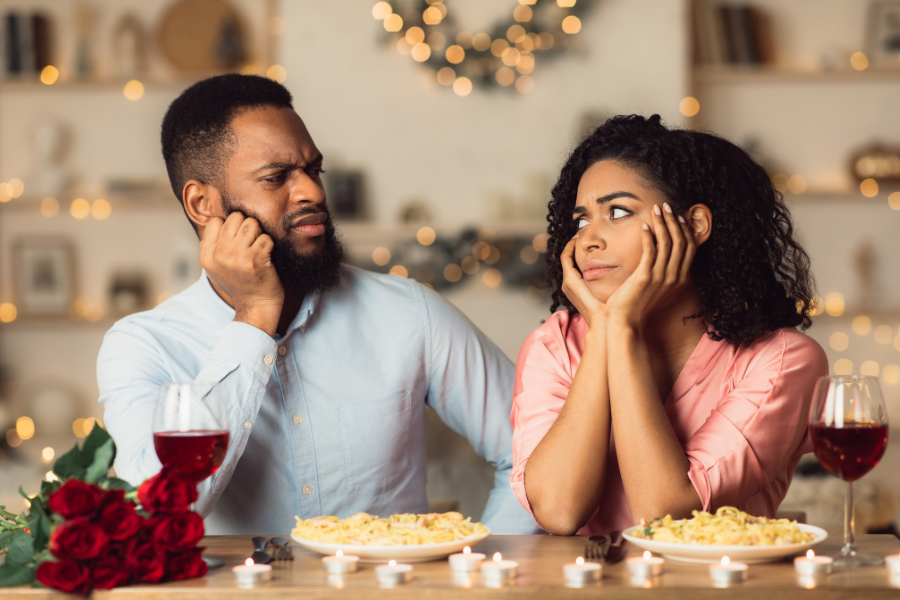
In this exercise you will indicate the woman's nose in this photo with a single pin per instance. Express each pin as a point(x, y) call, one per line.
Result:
point(591, 238)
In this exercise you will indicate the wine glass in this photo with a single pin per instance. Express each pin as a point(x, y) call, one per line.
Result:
point(190, 429)
point(849, 429)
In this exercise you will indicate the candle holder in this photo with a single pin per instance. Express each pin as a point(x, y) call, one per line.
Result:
point(250, 574)
point(892, 562)
point(498, 572)
point(393, 574)
point(727, 572)
point(340, 564)
point(813, 566)
point(642, 567)
point(466, 560)
point(581, 572)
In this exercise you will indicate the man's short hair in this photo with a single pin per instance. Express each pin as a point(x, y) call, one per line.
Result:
point(196, 131)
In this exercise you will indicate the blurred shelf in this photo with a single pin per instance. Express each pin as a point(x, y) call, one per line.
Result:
point(761, 74)
point(117, 203)
point(832, 196)
point(150, 83)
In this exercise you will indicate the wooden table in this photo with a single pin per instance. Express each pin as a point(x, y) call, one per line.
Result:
point(540, 576)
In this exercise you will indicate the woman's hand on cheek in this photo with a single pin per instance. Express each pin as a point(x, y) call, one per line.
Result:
point(576, 290)
point(662, 273)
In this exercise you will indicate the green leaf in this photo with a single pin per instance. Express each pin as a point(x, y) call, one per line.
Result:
point(12, 574)
point(113, 483)
point(70, 464)
point(48, 487)
point(96, 439)
point(40, 527)
point(103, 458)
point(20, 549)
point(5, 536)
point(6, 514)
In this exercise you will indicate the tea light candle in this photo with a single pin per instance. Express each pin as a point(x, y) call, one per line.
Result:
point(893, 563)
point(340, 564)
point(814, 565)
point(466, 560)
point(249, 574)
point(392, 574)
point(644, 566)
point(582, 572)
point(499, 570)
point(728, 572)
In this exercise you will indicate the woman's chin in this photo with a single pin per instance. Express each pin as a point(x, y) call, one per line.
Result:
point(601, 290)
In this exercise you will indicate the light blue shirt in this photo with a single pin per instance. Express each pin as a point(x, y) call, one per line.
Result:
point(330, 418)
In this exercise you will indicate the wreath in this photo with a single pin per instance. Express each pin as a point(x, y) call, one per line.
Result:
point(505, 57)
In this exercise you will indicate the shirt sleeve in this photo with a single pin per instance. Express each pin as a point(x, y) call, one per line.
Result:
point(759, 426)
point(543, 379)
point(470, 385)
point(131, 368)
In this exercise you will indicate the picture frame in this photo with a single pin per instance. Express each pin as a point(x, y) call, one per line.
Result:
point(883, 33)
point(44, 276)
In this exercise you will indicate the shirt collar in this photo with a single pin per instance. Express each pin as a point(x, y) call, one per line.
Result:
point(221, 308)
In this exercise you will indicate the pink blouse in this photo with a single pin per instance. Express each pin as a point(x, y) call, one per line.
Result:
point(740, 413)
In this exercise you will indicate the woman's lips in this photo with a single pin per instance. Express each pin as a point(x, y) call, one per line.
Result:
point(596, 273)
point(311, 230)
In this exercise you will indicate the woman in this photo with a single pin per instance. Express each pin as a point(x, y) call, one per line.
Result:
point(675, 380)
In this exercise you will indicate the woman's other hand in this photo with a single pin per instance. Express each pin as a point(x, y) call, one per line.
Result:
point(661, 275)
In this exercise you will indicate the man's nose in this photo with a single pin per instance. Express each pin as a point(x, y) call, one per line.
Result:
point(305, 189)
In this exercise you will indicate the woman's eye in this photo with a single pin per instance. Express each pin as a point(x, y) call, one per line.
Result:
point(617, 213)
point(582, 223)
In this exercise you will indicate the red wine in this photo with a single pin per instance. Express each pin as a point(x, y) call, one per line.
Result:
point(194, 455)
point(850, 451)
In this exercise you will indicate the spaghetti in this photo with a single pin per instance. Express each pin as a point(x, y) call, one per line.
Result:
point(397, 530)
point(728, 527)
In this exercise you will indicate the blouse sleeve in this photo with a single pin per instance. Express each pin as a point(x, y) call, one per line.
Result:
point(543, 378)
point(757, 427)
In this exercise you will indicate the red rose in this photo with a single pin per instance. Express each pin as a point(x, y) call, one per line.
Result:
point(66, 576)
point(181, 531)
point(108, 573)
point(119, 520)
point(75, 499)
point(185, 565)
point(79, 540)
point(167, 493)
point(145, 561)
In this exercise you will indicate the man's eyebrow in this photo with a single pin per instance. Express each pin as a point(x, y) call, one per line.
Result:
point(581, 209)
point(277, 164)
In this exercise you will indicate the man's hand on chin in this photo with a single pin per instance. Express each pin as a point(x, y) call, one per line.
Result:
point(237, 257)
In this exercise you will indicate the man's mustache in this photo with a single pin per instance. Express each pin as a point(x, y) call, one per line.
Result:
point(289, 219)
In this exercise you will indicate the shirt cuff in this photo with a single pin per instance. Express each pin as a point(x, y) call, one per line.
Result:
point(700, 479)
point(251, 347)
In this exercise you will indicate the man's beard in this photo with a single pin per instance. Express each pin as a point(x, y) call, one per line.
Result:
point(301, 274)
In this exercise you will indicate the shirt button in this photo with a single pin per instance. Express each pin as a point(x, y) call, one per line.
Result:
point(298, 418)
point(307, 489)
point(268, 359)
point(282, 350)
point(247, 425)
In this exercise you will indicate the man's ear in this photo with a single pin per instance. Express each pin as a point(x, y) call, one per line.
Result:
point(202, 201)
point(699, 220)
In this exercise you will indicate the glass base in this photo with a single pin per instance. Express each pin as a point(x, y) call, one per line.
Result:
point(849, 557)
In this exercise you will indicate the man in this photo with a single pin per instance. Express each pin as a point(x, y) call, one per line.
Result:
point(326, 369)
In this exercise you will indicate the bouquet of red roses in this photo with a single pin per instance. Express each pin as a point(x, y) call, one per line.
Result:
point(88, 530)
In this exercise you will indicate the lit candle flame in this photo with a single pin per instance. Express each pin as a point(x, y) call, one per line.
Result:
point(726, 561)
point(497, 557)
point(467, 550)
point(249, 562)
point(392, 563)
point(579, 561)
point(810, 554)
point(339, 553)
point(647, 554)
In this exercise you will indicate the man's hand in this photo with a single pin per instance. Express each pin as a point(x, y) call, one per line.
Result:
point(237, 257)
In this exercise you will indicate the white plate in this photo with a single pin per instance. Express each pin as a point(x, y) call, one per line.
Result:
point(382, 554)
point(697, 553)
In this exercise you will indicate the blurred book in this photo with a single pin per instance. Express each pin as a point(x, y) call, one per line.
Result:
point(27, 44)
point(729, 34)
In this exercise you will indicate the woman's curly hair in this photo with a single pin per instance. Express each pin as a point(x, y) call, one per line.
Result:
point(752, 275)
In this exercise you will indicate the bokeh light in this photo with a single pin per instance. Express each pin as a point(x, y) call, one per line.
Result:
point(8, 312)
point(49, 75)
point(399, 271)
point(571, 24)
point(453, 273)
point(446, 76)
point(393, 23)
point(455, 54)
point(426, 236)
point(277, 73)
point(868, 188)
point(505, 76)
point(80, 208)
point(415, 35)
point(869, 368)
point(381, 10)
point(17, 188)
point(47, 454)
point(862, 325)
point(523, 13)
point(481, 42)
point(891, 374)
point(540, 242)
point(25, 427)
point(859, 61)
point(839, 341)
point(834, 304)
point(421, 52)
point(883, 334)
point(470, 265)
point(525, 84)
point(689, 106)
point(462, 86)
point(100, 209)
point(134, 89)
point(381, 256)
point(492, 278)
point(843, 366)
point(796, 184)
point(49, 206)
point(529, 255)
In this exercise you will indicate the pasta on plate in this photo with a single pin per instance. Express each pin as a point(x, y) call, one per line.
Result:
point(396, 530)
point(728, 527)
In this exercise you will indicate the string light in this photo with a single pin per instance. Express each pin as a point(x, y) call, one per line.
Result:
point(47, 454)
point(883, 334)
point(510, 57)
point(522, 13)
point(571, 24)
point(499, 46)
point(381, 11)
point(470, 265)
point(78, 428)
point(526, 64)
point(100, 209)
point(49, 75)
point(437, 41)
point(277, 73)
point(894, 200)
point(862, 325)
point(17, 188)
point(505, 76)
point(839, 341)
point(393, 23)
point(134, 89)
point(453, 273)
point(381, 256)
point(834, 304)
point(5, 192)
point(421, 52)
point(455, 54)
point(689, 106)
point(8, 312)
point(859, 61)
point(25, 428)
point(869, 188)
point(462, 86)
point(80, 208)
point(869, 368)
point(426, 236)
point(565, 3)
point(446, 76)
point(529, 255)
point(796, 184)
point(843, 366)
point(515, 33)
point(891, 374)
point(415, 35)
point(481, 42)
point(49, 206)
point(540, 242)
point(492, 278)
point(399, 271)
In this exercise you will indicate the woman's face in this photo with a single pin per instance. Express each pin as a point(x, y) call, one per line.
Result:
point(612, 204)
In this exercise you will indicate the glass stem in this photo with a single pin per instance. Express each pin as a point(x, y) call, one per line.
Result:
point(849, 524)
